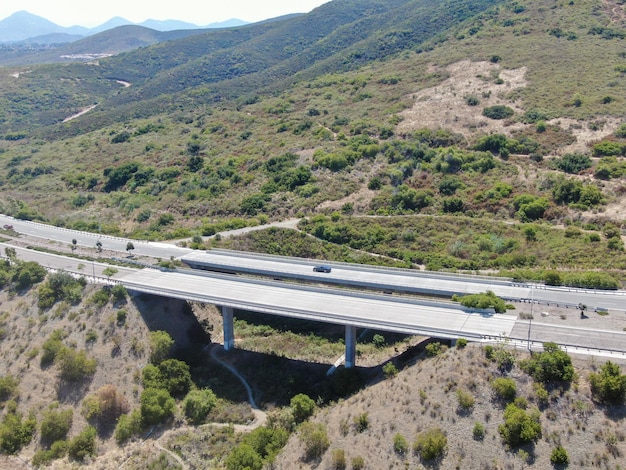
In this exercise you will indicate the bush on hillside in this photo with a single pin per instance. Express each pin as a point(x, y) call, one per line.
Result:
point(520, 426)
point(83, 444)
point(505, 388)
point(55, 425)
point(197, 405)
point(302, 407)
point(609, 385)
point(314, 436)
point(431, 444)
point(551, 365)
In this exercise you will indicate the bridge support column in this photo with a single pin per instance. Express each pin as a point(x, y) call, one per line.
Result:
point(350, 346)
point(229, 329)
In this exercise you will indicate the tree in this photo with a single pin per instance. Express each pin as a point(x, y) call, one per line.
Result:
point(74, 244)
point(130, 247)
point(108, 272)
point(99, 246)
point(302, 406)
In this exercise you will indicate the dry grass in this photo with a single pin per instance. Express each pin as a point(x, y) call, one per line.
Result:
point(423, 396)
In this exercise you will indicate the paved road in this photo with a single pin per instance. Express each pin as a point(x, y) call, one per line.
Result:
point(89, 240)
point(403, 280)
point(378, 312)
point(577, 339)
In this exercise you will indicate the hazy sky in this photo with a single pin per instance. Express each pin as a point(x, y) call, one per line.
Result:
point(94, 13)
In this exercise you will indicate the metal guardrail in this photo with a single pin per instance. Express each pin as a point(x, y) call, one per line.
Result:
point(533, 345)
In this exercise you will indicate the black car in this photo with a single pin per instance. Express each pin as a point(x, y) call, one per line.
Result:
point(322, 269)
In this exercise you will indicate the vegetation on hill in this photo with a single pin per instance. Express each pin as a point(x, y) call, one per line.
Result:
point(456, 135)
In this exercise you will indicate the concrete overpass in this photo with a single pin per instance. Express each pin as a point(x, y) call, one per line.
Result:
point(351, 309)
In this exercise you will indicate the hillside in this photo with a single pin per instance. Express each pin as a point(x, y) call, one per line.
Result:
point(402, 386)
point(466, 136)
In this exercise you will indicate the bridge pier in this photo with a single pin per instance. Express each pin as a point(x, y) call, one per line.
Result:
point(229, 328)
point(350, 346)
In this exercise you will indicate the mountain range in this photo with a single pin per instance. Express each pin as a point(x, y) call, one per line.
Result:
point(23, 26)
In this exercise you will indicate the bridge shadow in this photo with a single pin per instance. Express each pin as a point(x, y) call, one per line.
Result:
point(273, 377)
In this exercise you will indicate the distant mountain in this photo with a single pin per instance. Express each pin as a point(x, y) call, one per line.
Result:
point(26, 27)
point(23, 25)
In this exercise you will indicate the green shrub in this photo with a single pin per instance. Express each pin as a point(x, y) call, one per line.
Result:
point(314, 436)
point(15, 432)
point(26, 274)
point(361, 422)
point(197, 405)
point(431, 444)
point(55, 425)
point(559, 456)
point(358, 463)
point(8, 388)
point(105, 405)
point(161, 344)
point(609, 385)
point(83, 444)
point(505, 388)
point(400, 444)
point(551, 365)
point(461, 343)
point(157, 405)
point(465, 399)
point(119, 293)
point(483, 301)
point(74, 365)
point(175, 377)
point(478, 432)
point(338, 461)
point(520, 426)
point(434, 349)
point(244, 457)
point(498, 112)
point(127, 426)
point(390, 370)
point(302, 406)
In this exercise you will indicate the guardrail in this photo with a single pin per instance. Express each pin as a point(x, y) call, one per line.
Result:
point(532, 345)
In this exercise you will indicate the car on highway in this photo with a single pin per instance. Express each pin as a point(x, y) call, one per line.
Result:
point(322, 268)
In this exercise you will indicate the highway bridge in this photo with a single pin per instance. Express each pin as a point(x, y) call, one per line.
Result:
point(352, 309)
